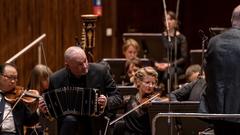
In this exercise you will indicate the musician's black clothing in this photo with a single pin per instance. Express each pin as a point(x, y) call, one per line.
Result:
point(135, 123)
point(189, 92)
point(99, 77)
point(6, 133)
point(182, 52)
point(22, 117)
point(168, 56)
point(76, 125)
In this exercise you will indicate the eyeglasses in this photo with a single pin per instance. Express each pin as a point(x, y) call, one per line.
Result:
point(149, 84)
point(14, 78)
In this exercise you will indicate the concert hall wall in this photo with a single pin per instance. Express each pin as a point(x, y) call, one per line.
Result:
point(22, 21)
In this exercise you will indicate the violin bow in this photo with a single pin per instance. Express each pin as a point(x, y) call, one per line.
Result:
point(135, 108)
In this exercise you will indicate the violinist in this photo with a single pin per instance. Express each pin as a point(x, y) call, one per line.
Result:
point(137, 122)
point(12, 121)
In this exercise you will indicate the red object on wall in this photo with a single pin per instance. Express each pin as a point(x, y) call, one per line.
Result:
point(97, 7)
point(97, 10)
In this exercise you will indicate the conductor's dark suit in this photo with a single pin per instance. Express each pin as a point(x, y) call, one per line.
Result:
point(223, 75)
point(98, 76)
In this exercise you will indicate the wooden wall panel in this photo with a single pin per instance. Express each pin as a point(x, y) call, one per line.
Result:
point(108, 21)
point(22, 21)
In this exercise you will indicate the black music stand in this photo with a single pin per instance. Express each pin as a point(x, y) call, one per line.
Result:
point(186, 126)
point(126, 92)
point(117, 67)
point(150, 43)
point(196, 56)
point(216, 30)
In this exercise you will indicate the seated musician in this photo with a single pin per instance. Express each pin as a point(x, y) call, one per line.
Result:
point(137, 122)
point(12, 122)
point(191, 91)
point(131, 66)
point(130, 49)
point(79, 73)
point(39, 80)
point(192, 72)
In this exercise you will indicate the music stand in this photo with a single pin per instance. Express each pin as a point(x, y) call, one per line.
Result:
point(196, 56)
point(117, 67)
point(150, 43)
point(127, 90)
point(216, 30)
point(186, 126)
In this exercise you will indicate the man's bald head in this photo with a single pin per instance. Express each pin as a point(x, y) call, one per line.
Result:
point(236, 17)
point(76, 60)
point(72, 51)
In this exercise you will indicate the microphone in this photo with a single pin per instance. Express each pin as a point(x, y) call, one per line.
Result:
point(202, 34)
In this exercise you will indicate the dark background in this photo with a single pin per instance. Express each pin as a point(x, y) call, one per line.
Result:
point(147, 16)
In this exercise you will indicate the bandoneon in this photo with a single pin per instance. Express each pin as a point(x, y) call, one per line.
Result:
point(72, 100)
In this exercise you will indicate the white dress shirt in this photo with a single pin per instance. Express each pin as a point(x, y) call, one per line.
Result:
point(8, 124)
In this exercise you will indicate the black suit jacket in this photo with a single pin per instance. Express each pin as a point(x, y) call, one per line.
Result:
point(223, 74)
point(98, 76)
point(23, 117)
point(190, 92)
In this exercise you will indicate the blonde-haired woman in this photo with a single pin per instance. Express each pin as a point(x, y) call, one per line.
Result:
point(130, 49)
point(137, 122)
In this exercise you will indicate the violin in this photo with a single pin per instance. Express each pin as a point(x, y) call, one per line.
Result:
point(27, 96)
point(157, 98)
point(146, 98)
point(19, 94)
